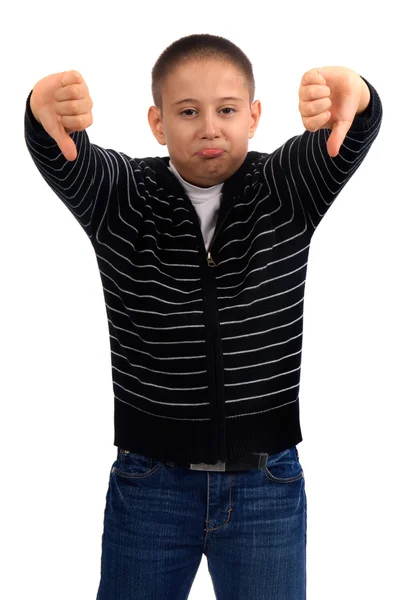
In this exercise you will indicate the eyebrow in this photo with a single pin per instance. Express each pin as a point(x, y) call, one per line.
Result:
point(235, 98)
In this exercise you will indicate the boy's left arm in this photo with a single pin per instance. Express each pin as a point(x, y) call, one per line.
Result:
point(318, 163)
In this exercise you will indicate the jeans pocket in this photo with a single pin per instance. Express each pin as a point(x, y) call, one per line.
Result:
point(133, 465)
point(284, 467)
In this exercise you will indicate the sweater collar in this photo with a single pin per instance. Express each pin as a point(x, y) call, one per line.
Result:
point(196, 193)
point(233, 186)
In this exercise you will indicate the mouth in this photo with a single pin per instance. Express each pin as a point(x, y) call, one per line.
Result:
point(210, 152)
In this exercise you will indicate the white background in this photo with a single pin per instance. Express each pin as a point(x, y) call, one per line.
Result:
point(56, 436)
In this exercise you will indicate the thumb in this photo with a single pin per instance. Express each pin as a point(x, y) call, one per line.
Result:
point(338, 134)
point(63, 140)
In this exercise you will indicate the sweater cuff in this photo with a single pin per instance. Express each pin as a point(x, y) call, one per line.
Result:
point(366, 119)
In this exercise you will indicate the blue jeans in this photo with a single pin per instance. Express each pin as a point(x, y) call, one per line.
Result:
point(160, 519)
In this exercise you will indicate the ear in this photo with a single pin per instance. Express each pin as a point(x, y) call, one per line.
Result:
point(256, 111)
point(156, 124)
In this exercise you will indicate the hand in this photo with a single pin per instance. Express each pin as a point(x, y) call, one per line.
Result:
point(334, 89)
point(62, 104)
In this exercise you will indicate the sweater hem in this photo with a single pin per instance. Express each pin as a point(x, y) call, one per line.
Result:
point(366, 120)
point(193, 441)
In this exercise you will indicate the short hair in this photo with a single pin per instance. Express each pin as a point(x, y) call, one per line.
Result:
point(196, 47)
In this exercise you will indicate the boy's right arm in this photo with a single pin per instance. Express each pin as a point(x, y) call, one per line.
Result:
point(88, 184)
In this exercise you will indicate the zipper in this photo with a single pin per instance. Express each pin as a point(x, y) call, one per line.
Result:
point(215, 380)
point(210, 261)
point(209, 258)
point(216, 351)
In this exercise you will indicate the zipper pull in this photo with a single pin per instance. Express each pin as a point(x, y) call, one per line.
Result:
point(210, 260)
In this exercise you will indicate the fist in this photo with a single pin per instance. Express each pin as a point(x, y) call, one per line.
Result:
point(314, 101)
point(62, 104)
point(329, 98)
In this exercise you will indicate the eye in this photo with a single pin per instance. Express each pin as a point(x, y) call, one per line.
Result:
point(187, 111)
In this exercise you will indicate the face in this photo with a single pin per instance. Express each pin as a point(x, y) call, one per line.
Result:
point(205, 107)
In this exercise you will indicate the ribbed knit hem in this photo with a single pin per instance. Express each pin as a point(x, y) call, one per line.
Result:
point(188, 441)
point(371, 114)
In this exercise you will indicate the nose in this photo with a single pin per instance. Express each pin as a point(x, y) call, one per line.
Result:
point(209, 127)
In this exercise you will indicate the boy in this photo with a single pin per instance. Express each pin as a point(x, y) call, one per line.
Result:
point(203, 258)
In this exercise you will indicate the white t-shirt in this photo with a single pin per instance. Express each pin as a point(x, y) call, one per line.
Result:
point(206, 202)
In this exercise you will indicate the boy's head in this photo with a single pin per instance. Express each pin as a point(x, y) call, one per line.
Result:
point(203, 90)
